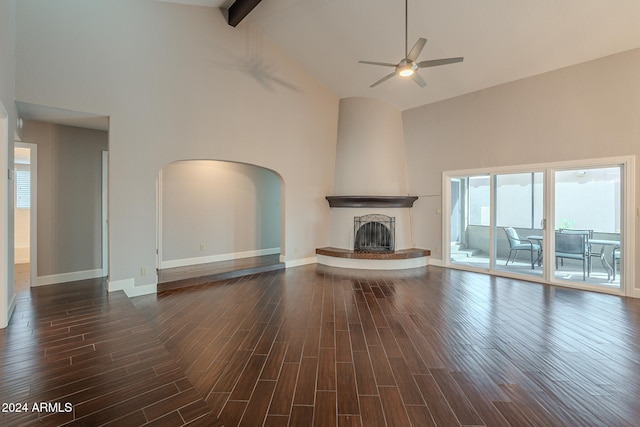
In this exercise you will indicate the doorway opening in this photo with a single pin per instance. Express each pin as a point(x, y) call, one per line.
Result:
point(25, 172)
point(70, 224)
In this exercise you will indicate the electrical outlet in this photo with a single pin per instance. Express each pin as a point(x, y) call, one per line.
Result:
point(437, 250)
point(143, 271)
point(201, 247)
point(438, 211)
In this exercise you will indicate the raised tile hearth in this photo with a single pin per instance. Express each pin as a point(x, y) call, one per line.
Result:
point(398, 260)
point(346, 253)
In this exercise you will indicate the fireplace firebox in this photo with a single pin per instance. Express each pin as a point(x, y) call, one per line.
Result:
point(374, 233)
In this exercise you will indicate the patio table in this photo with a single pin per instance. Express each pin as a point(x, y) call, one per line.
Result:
point(603, 259)
point(539, 239)
point(604, 243)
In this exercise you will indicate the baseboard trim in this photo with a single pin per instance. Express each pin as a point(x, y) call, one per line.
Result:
point(68, 277)
point(10, 309)
point(217, 258)
point(299, 262)
point(436, 262)
point(130, 289)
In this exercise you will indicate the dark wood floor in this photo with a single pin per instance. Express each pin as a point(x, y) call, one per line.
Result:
point(320, 346)
point(91, 359)
point(22, 280)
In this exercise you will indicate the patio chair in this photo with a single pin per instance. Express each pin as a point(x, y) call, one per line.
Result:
point(615, 255)
point(590, 253)
point(517, 244)
point(573, 246)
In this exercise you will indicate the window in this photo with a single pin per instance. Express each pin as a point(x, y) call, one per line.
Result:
point(589, 199)
point(23, 188)
point(519, 199)
point(479, 201)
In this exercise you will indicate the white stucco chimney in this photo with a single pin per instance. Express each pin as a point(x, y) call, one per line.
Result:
point(370, 161)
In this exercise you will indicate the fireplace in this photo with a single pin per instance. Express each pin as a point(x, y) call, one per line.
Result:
point(371, 177)
point(374, 233)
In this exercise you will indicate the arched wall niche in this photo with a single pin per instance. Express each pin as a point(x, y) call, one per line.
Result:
point(214, 210)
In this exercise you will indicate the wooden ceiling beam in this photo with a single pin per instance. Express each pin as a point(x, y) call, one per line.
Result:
point(239, 10)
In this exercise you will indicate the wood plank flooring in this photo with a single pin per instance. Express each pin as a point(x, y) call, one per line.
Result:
point(318, 346)
point(89, 358)
point(424, 347)
point(21, 273)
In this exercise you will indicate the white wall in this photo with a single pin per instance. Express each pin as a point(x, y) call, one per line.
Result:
point(22, 218)
point(7, 127)
point(586, 111)
point(178, 83)
point(212, 210)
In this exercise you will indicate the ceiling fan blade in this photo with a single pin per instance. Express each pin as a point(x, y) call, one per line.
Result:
point(384, 64)
point(418, 79)
point(385, 78)
point(416, 49)
point(436, 62)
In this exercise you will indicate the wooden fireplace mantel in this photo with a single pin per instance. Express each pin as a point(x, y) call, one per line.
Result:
point(371, 201)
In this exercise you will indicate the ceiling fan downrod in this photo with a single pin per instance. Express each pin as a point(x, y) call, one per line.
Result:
point(406, 28)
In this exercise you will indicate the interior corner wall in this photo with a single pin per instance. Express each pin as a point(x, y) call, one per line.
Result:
point(178, 83)
point(213, 209)
point(8, 118)
point(69, 197)
point(586, 111)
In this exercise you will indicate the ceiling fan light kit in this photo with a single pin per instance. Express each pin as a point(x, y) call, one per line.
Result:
point(405, 69)
point(408, 67)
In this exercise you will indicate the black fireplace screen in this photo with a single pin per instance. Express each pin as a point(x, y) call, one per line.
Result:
point(374, 233)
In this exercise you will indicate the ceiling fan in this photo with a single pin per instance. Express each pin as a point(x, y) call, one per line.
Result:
point(408, 67)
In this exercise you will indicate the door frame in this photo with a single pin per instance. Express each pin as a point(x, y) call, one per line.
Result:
point(7, 298)
point(105, 213)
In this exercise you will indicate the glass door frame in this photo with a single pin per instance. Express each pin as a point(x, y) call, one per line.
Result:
point(494, 217)
point(627, 220)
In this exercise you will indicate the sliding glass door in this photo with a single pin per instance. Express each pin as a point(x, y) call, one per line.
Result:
point(518, 222)
point(558, 223)
point(469, 221)
point(588, 225)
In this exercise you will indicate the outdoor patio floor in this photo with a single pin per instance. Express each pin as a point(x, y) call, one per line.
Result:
point(571, 271)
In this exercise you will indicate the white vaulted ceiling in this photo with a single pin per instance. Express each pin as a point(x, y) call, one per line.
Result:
point(501, 40)
point(209, 3)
